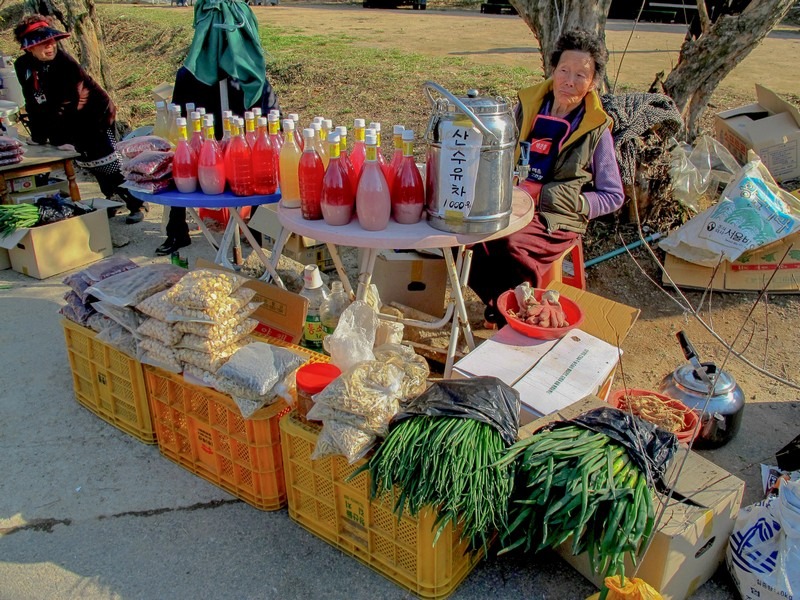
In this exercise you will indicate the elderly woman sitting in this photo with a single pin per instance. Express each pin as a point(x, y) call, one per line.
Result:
point(573, 177)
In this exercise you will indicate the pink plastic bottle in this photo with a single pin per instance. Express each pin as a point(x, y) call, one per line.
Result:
point(240, 176)
point(358, 154)
point(265, 162)
point(184, 163)
point(337, 195)
point(310, 174)
point(210, 164)
point(408, 193)
point(397, 156)
point(373, 201)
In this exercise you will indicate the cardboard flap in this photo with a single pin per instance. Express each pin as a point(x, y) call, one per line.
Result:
point(603, 318)
point(747, 109)
point(11, 240)
point(773, 130)
point(775, 104)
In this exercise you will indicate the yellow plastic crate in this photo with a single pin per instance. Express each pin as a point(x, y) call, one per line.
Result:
point(322, 500)
point(108, 382)
point(203, 431)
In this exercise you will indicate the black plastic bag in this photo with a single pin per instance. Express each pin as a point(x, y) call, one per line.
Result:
point(789, 456)
point(648, 446)
point(485, 399)
point(55, 208)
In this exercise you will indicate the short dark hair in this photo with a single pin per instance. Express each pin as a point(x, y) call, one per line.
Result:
point(582, 41)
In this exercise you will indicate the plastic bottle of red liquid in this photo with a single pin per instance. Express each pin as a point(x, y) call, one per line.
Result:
point(241, 163)
point(337, 195)
point(373, 200)
point(344, 158)
point(184, 163)
point(196, 139)
point(359, 148)
point(250, 128)
point(210, 164)
point(225, 147)
point(265, 162)
point(397, 155)
point(408, 192)
point(310, 174)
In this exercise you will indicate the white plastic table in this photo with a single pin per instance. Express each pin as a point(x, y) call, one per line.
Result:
point(191, 202)
point(420, 236)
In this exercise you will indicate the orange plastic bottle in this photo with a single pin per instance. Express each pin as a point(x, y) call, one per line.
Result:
point(310, 173)
point(408, 193)
point(210, 164)
point(359, 148)
point(265, 162)
point(373, 200)
point(240, 176)
point(337, 195)
point(184, 163)
point(289, 161)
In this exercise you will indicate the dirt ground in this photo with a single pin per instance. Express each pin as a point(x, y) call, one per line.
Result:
point(651, 351)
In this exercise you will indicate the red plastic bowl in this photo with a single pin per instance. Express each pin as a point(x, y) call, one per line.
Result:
point(686, 434)
point(508, 301)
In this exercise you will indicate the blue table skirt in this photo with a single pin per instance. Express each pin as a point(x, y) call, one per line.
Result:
point(201, 200)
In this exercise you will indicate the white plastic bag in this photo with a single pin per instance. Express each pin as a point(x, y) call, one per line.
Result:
point(752, 212)
point(132, 287)
point(354, 337)
point(763, 553)
point(699, 170)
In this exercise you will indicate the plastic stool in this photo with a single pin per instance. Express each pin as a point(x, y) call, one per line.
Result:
point(556, 271)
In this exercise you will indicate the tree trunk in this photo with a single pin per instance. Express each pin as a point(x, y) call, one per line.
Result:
point(706, 61)
point(79, 18)
point(547, 19)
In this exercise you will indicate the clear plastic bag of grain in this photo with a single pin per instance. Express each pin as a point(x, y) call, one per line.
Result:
point(367, 388)
point(124, 315)
point(120, 338)
point(154, 352)
point(346, 440)
point(238, 321)
point(222, 309)
point(415, 368)
point(207, 361)
point(160, 330)
point(129, 288)
point(377, 422)
point(204, 288)
point(156, 306)
point(197, 376)
point(204, 344)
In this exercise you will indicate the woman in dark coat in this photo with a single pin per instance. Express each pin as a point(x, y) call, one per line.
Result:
point(66, 107)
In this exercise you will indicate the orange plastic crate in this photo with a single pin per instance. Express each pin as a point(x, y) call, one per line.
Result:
point(339, 511)
point(108, 382)
point(203, 431)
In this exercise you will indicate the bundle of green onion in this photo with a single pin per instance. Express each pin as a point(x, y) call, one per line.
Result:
point(17, 216)
point(576, 482)
point(448, 464)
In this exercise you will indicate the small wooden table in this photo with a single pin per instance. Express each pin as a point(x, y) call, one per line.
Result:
point(37, 160)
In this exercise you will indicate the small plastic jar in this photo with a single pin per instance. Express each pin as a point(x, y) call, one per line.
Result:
point(312, 379)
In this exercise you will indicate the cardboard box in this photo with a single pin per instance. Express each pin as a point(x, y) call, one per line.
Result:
point(304, 250)
point(689, 543)
point(552, 374)
point(282, 314)
point(770, 127)
point(415, 279)
point(48, 250)
point(5, 260)
point(750, 272)
point(53, 187)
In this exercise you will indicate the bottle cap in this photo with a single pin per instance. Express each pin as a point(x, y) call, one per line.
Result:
point(294, 117)
point(288, 125)
point(341, 130)
point(181, 122)
point(327, 124)
point(262, 121)
point(315, 377)
point(371, 140)
point(160, 104)
point(189, 106)
point(359, 123)
point(256, 111)
point(201, 110)
point(376, 126)
point(398, 130)
point(318, 120)
point(408, 135)
point(208, 120)
point(173, 107)
point(370, 131)
point(194, 115)
point(337, 286)
point(308, 133)
point(275, 112)
point(315, 125)
point(227, 114)
point(272, 117)
point(311, 277)
point(249, 114)
point(240, 121)
point(333, 138)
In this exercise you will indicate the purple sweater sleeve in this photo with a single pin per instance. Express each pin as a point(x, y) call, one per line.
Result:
point(607, 195)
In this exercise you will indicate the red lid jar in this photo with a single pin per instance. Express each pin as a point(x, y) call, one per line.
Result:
point(312, 379)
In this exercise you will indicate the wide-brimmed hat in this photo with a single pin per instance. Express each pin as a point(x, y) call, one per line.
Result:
point(40, 32)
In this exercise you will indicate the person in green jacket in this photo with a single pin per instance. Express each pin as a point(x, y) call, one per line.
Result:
point(574, 175)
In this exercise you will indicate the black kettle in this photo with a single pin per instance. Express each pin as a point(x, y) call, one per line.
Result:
point(693, 383)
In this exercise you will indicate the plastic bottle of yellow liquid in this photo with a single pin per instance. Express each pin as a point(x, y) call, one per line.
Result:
point(161, 127)
point(174, 131)
point(289, 164)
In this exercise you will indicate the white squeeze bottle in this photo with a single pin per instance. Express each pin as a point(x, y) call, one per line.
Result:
point(373, 198)
point(316, 292)
point(289, 164)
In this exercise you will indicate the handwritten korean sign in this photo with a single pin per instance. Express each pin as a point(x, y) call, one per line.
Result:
point(458, 168)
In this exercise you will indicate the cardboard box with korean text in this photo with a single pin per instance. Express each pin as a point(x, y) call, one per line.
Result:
point(304, 250)
point(689, 542)
point(281, 315)
point(553, 374)
point(48, 250)
point(770, 127)
point(750, 272)
point(415, 279)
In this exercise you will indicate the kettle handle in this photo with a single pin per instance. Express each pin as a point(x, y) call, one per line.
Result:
point(430, 85)
point(686, 346)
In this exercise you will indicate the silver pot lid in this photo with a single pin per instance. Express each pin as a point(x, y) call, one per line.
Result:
point(686, 377)
point(482, 105)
